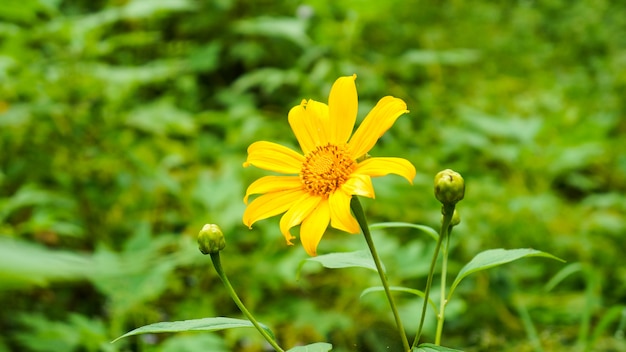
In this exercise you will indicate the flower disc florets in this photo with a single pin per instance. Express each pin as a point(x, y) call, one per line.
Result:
point(326, 168)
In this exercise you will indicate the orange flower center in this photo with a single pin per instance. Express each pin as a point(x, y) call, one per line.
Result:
point(325, 169)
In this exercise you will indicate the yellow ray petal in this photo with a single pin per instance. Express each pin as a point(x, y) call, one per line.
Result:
point(268, 184)
point(270, 204)
point(342, 108)
point(274, 157)
point(318, 115)
point(297, 213)
point(314, 226)
point(359, 185)
point(383, 166)
point(375, 124)
point(340, 216)
point(300, 125)
point(309, 122)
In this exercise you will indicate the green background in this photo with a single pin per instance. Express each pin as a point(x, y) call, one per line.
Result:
point(124, 126)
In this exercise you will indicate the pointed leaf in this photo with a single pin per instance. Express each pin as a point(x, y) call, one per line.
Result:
point(564, 273)
point(23, 264)
point(429, 347)
point(315, 347)
point(357, 259)
point(494, 257)
point(205, 324)
point(423, 228)
point(400, 289)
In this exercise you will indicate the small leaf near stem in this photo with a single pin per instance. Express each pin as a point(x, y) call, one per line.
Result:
point(215, 258)
point(357, 209)
point(447, 211)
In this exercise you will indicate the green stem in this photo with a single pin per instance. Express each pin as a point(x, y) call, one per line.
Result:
point(215, 258)
point(445, 224)
point(357, 209)
point(442, 299)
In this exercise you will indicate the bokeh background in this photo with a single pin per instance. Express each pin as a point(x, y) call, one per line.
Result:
point(124, 125)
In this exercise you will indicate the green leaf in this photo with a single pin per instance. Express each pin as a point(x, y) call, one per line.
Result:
point(315, 347)
point(494, 257)
point(429, 347)
point(564, 273)
point(291, 29)
point(448, 57)
point(205, 324)
point(423, 228)
point(162, 118)
point(400, 289)
point(357, 259)
point(23, 264)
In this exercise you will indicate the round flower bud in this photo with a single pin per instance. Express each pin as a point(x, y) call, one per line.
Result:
point(211, 239)
point(449, 187)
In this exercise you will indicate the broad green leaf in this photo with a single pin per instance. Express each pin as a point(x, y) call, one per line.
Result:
point(357, 259)
point(138, 9)
point(429, 347)
point(494, 257)
point(275, 27)
point(162, 118)
point(400, 289)
point(23, 264)
point(204, 324)
point(423, 228)
point(315, 347)
point(447, 57)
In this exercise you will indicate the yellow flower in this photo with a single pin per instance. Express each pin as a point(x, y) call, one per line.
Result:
point(320, 182)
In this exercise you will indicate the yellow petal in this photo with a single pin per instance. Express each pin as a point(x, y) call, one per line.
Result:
point(359, 185)
point(309, 122)
point(340, 216)
point(268, 184)
point(314, 226)
point(382, 166)
point(318, 115)
point(297, 213)
point(375, 124)
point(269, 205)
point(343, 106)
point(274, 157)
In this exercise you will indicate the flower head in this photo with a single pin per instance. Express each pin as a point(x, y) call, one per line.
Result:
point(319, 183)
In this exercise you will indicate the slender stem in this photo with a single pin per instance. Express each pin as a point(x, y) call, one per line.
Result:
point(442, 299)
point(360, 217)
point(445, 224)
point(215, 258)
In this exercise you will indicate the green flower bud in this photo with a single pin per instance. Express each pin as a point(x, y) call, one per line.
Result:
point(449, 187)
point(211, 239)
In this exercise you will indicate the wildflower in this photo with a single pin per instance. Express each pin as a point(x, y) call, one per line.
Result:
point(333, 166)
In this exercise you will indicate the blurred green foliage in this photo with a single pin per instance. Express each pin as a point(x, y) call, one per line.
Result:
point(124, 124)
